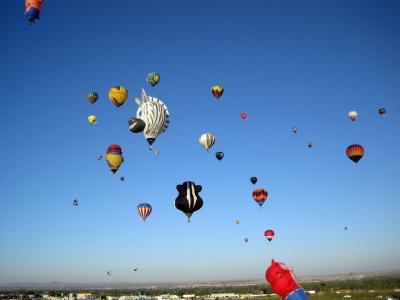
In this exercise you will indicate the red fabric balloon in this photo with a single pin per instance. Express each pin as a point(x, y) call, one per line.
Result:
point(281, 279)
point(243, 116)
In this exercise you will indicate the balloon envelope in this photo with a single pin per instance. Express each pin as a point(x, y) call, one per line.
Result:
point(144, 210)
point(153, 78)
point(92, 119)
point(353, 115)
point(269, 234)
point(355, 152)
point(92, 97)
point(219, 155)
point(207, 140)
point(118, 95)
point(253, 180)
point(217, 91)
point(260, 195)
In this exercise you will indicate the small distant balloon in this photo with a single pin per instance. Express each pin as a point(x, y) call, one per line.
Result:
point(92, 97)
point(237, 221)
point(246, 240)
point(260, 195)
point(122, 178)
point(153, 78)
point(219, 155)
point(207, 140)
point(75, 202)
point(253, 180)
point(135, 269)
point(295, 129)
point(32, 10)
point(217, 91)
point(243, 116)
point(144, 210)
point(92, 119)
point(355, 152)
point(345, 228)
point(382, 111)
point(353, 115)
point(269, 234)
point(109, 273)
point(156, 152)
point(309, 145)
point(99, 157)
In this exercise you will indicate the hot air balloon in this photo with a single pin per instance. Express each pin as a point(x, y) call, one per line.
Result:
point(155, 114)
point(269, 234)
point(92, 119)
point(353, 115)
point(295, 130)
point(109, 273)
point(217, 91)
point(122, 178)
point(157, 152)
point(114, 157)
point(188, 200)
point(75, 202)
point(283, 282)
point(309, 145)
point(260, 195)
point(237, 221)
point(243, 116)
point(144, 210)
point(382, 111)
point(246, 240)
point(92, 97)
point(118, 95)
point(136, 125)
point(207, 140)
point(253, 180)
point(153, 78)
point(219, 155)
point(345, 228)
point(355, 152)
point(99, 157)
point(32, 10)
point(135, 269)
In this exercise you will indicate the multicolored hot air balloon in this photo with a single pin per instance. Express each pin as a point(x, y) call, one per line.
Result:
point(243, 116)
point(114, 157)
point(118, 95)
point(188, 200)
point(92, 97)
point(217, 91)
point(283, 282)
point(92, 119)
point(382, 111)
point(260, 195)
point(207, 140)
point(153, 78)
point(219, 155)
point(253, 180)
point(353, 115)
point(355, 152)
point(144, 210)
point(155, 115)
point(269, 234)
point(32, 10)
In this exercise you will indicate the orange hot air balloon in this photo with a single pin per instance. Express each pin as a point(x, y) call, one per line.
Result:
point(32, 10)
point(260, 195)
point(269, 234)
point(355, 152)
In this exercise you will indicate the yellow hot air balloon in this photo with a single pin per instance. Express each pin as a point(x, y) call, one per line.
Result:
point(118, 95)
point(92, 119)
point(114, 157)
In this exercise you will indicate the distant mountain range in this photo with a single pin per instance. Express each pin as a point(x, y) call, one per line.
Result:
point(55, 285)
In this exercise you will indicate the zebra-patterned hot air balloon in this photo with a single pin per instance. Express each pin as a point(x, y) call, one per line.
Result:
point(188, 200)
point(155, 114)
point(144, 210)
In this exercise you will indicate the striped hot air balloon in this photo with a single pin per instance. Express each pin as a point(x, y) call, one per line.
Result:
point(144, 210)
point(118, 95)
point(114, 157)
point(188, 200)
point(207, 140)
point(355, 152)
point(260, 195)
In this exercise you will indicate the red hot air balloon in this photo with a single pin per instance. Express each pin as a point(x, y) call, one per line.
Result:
point(355, 152)
point(269, 234)
point(144, 210)
point(260, 195)
point(243, 116)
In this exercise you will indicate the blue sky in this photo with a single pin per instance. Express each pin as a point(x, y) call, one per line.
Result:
point(284, 63)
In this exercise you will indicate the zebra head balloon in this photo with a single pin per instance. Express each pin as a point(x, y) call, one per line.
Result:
point(155, 115)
